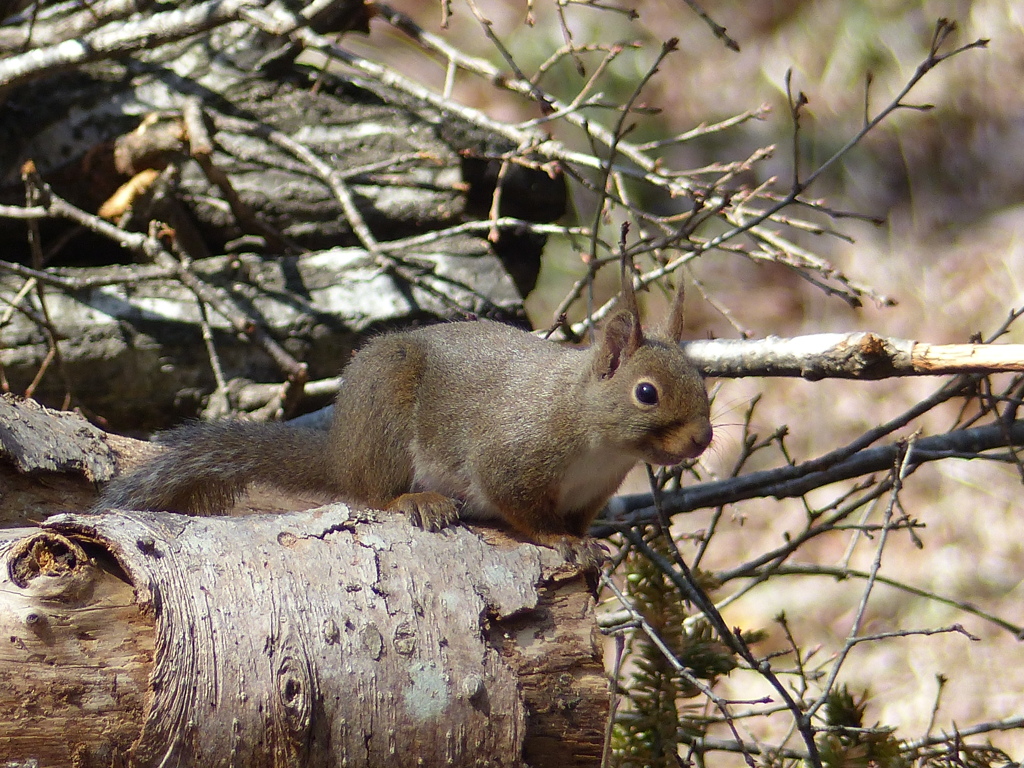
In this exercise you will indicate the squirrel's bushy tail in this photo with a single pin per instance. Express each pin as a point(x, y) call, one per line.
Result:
point(207, 465)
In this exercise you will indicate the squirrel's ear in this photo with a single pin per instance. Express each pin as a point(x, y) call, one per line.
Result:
point(618, 342)
point(674, 326)
point(622, 334)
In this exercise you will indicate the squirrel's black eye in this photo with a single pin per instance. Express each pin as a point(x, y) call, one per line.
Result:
point(646, 393)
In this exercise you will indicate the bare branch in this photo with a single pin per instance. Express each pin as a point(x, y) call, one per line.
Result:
point(861, 355)
point(795, 481)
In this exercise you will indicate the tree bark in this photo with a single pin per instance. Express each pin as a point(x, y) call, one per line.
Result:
point(317, 638)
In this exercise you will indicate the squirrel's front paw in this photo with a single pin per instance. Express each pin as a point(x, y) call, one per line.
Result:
point(427, 510)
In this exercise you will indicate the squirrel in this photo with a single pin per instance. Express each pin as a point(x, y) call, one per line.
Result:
point(470, 420)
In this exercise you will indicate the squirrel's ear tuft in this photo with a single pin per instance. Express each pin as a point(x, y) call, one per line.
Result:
point(630, 304)
point(674, 326)
point(618, 342)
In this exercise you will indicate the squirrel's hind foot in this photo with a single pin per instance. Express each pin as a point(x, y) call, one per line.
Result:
point(583, 551)
point(427, 510)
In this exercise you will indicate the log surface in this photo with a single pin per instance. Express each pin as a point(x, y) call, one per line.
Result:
point(324, 638)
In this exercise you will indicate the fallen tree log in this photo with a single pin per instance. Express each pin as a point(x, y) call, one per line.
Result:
point(318, 638)
point(132, 337)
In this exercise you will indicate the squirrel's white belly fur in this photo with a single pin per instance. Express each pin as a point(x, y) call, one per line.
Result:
point(593, 475)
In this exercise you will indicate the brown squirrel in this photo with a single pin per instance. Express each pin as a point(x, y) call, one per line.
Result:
point(472, 420)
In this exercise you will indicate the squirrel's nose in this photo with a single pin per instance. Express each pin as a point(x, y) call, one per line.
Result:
point(697, 437)
point(702, 437)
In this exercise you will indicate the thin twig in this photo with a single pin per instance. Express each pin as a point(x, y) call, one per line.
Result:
point(902, 470)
